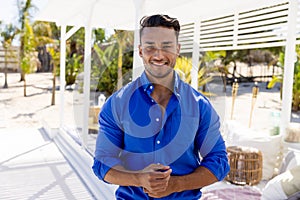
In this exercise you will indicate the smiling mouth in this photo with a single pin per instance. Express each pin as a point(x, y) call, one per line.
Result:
point(159, 64)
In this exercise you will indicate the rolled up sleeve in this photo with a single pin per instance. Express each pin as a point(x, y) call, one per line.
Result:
point(108, 144)
point(211, 144)
point(217, 162)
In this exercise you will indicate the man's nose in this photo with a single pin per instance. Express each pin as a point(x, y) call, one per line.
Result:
point(158, 53)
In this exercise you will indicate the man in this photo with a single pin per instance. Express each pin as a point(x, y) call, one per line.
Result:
point(158, 137)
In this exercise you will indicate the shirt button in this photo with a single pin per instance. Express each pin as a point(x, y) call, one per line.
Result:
point(157, 119)
point(151, 87)
point(152, 100)
point(158, 142)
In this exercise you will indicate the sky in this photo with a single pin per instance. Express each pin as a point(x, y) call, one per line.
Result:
point(9, 9)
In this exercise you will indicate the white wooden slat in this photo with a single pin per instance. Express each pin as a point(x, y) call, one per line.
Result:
point(260, 35)
point(186, 50)
point(226, 43)
point(257, 40)
point(185, 40)
point(186, 35)
point(265, 16)
point(184, 31)
point(226, 24)
point(186, 28)
point(187, 46)
point(255, 29)
point(216, 39)
point(217, 20)
point(260, 29)
point(225, 29)
point(183, 44)
point(263, 11)
point(187, 25)
point(183, 26)
point(220, 34)
point(264, 23)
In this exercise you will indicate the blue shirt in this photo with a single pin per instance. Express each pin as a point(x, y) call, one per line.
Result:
point(134, 133)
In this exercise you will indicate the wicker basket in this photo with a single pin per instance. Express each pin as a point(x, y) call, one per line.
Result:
point(245, 165)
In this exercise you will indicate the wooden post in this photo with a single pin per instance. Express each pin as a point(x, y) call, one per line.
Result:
point(254, 96)
point(235, 87)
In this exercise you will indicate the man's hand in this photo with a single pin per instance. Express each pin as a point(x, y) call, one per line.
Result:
point(155, 178)
point(170, 189)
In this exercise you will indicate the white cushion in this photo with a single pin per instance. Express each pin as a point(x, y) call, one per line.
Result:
point(291, 160)
point(283, 186)
point(270, 146)
point(273, 190)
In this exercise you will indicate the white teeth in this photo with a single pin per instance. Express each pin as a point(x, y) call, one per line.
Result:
point(159, 64)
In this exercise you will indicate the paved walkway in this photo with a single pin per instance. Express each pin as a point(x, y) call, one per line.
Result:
point(31, 165)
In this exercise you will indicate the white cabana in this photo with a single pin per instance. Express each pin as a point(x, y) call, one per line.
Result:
point(241, 25)
point(206, 25)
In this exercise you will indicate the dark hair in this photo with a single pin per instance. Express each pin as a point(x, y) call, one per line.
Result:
point(160, 21)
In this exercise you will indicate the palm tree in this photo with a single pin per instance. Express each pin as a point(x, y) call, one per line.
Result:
point(28, 61)
point(23, 15)
point(123, 38)
point(55, 62)
point(43, 36)
point(8, 35)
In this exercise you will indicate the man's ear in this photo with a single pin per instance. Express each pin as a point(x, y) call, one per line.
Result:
point(178, 49)
point(140, 51)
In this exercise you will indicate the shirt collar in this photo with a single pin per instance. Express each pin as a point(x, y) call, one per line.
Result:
point(148, 86)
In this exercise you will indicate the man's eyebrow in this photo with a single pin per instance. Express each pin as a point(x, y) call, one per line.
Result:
point(165, 42)
point(148, 42)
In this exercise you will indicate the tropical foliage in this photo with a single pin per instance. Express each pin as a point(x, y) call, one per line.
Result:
point(29, 57)
point(184, 66)
point(296, 83)
point(112, 63)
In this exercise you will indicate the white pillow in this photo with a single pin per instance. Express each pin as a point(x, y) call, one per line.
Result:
point(283, 186)
point(273, 190)
point(291, 160)
point(270, 146)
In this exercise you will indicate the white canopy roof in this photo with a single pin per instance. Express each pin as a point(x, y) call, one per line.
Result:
point(121, 14)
